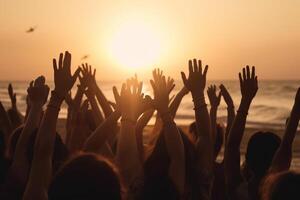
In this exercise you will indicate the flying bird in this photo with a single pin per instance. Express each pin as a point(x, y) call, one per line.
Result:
point(85, 57)
point(31, 29)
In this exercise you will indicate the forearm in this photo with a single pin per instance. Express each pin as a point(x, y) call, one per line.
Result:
point(127, 153)
point(103, 102)
point(283, 157)
point(96, 111)
point(230, 119)
point(30, 125)
point(175, 104)
point(175, 149)
point(141, 124)
point(213, 121)
point(203, 125)
point(238, 126)
point(101, 134)
point(78, 98)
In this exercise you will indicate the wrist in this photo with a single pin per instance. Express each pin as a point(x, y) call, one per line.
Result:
point(55, 100)
point(37, 106)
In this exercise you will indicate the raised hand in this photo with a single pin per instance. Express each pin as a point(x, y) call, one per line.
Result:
point(12, 96)
point(197, 78)
point(226, 96)
point(63, 79)
point(88, 78)
point(131, 101)
point(214, 99)
point(161, 91)
point(38, 92)
point(248, 84)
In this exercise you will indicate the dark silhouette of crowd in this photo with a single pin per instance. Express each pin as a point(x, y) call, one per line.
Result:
point(105, 155)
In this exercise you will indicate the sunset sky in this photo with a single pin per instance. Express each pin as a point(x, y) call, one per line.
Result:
point(126, 36)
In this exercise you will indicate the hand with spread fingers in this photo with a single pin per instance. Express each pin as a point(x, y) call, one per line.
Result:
point(63, 79)
point(214, 99)
point(248, 84)
point(196, 80)
point(161, 90)
point(131, 101)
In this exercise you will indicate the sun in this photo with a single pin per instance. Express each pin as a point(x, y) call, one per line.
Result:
point(135, 45)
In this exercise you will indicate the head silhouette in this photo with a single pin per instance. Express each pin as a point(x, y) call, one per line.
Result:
point(157, 183)
point(282, 186)
point(260, 152)
point(86, 176)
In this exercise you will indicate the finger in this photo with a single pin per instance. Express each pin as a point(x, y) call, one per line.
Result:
point(67, 62)
point(140, 88)
point(94, 73)
point(184, 80)
point(116, 94)
point(190, 66)
point(205, 71)
point(241, 80)
point(200, 65)
point(171, 88)
point(54, 65)
point(76, 74)
point(195, 65)
point(153, 86)
point(244, 74)
point(253, 72)
point(248, 72)
point(60, 61)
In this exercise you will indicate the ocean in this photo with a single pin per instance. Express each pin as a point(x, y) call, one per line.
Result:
point(270, 107)
point(268, 111)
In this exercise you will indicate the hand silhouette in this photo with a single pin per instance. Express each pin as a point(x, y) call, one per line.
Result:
point(214, 99)
point(197, 78)
point(63, 79)
point(248, 84)
point(226, 96)
point(38, 92)
point(12, 95)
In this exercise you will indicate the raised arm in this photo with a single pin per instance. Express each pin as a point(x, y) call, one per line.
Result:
point(283, 157)
point(249, 87)
point(140, 126)
point(177, 100)
point(92, 84)
point(131, 104)
point(174, 143)
point(98, 138)
point(37, 94)
point(230, 109)
point(214, 100)
point(97, 115)
point(196, 84)
point(41, 167)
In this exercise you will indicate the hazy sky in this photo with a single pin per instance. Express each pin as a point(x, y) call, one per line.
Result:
point(225, 34)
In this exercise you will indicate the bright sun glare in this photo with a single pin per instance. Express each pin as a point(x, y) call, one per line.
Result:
point(135, 45)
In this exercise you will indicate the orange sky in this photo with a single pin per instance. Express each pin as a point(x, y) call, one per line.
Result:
point(225, 34)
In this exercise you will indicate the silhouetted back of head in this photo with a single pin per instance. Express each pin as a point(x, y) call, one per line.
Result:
point(60, 153)
point(282, 186)
point(260, 152)
point(86, 176)
point(157, 183)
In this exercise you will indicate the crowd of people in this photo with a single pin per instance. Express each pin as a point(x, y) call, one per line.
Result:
point(102, 157)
